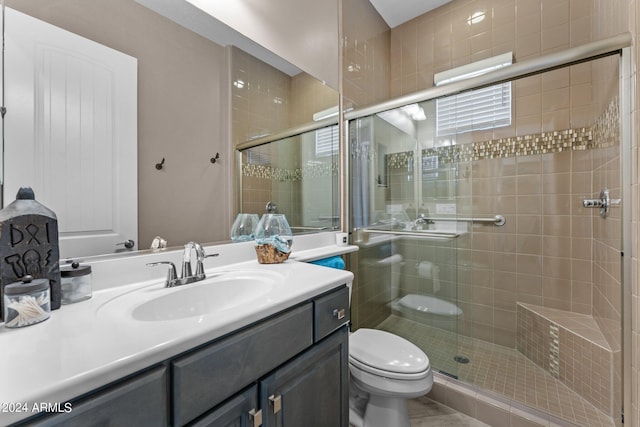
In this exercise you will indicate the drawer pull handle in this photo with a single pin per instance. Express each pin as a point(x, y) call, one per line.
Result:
point(255, 417)
point(338, 313)
point(276, 402)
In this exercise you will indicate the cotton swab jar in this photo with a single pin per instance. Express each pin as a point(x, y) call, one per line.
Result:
point(27, 302)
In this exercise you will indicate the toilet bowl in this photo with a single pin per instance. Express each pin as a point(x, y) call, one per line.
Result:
point(385, 371)
point(429, 310)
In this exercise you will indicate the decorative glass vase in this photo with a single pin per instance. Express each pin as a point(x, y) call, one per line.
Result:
point(244, 227)
point(274, 238)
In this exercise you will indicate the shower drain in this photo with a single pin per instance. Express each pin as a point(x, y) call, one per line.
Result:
point(461, 359)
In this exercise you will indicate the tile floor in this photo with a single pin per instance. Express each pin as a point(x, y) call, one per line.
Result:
point(498, 369)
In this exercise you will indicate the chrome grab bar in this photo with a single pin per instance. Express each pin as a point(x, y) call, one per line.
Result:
point(301, 227)
point(424, 233)
point(498, 220)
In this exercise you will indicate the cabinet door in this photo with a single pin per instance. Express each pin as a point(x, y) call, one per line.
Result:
point(311, 390)
point(237, 412)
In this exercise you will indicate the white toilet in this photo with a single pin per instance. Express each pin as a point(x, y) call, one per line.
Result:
point(386, 370)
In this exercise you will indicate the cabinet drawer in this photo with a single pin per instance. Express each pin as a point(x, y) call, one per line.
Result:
point(138, 401)
point(206, 377)
point(331, 312)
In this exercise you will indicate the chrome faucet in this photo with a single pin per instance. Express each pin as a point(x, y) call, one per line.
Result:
point(186, 276)
point(421, 221)
point(186, 262)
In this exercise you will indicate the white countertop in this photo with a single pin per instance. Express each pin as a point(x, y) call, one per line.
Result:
point(81, 348)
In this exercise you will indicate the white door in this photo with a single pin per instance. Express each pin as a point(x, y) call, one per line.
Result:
point(70, 133)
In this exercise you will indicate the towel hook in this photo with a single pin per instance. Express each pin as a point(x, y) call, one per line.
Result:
point(160, 165)
point(214, 159)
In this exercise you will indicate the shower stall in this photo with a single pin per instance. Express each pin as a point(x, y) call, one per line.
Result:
point(488, 213)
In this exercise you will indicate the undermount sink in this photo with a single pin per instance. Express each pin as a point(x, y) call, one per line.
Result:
point(222, 291)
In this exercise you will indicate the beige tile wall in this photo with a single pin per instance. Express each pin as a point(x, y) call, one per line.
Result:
point(445, 38)
point(260, 98)
point(268, 101)
point(366, 50)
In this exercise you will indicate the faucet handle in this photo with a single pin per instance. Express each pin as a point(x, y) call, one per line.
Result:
point(200, 265)
point(186, 260)
point(172, 276)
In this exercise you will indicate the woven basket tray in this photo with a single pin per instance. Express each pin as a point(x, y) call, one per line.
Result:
point(268, 254)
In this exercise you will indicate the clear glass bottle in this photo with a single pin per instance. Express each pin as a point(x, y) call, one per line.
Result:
point(27, 302)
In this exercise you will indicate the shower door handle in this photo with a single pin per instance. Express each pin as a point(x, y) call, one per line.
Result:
point(604, 203)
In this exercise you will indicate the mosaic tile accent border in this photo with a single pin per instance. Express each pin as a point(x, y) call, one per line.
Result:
point(310, 171)
point(606, 130)
point(604, 133)
point(554, 350)
point(400, 160)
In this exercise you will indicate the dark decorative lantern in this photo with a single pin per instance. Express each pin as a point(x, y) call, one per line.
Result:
point(29, 244)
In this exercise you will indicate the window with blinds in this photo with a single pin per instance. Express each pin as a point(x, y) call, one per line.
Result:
point(327, 141)
point(260, 155)
point(485, 108)
point(479, 109)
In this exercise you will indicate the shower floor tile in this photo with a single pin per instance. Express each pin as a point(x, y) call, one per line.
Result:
point(499, 369)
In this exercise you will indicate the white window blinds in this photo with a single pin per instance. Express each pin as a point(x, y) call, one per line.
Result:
point(484, 108)
point(327, 141)
point(260, 155)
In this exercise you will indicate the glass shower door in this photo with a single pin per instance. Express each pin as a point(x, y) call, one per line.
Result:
point(405, 206)
point(492, 213)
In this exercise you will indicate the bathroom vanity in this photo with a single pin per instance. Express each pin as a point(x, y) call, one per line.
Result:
point(281, 359)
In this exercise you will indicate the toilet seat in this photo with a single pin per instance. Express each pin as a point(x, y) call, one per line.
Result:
point(387, 355)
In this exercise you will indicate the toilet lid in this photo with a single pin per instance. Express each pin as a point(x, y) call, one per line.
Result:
point(387, 352)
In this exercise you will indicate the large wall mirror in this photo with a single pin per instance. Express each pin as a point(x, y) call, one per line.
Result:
point(195, 98)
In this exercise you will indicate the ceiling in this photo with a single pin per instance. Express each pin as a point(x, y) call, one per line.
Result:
point(396, 12)
point(193, 18)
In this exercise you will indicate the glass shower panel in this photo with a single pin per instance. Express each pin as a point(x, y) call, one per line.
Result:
point(404, 205)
